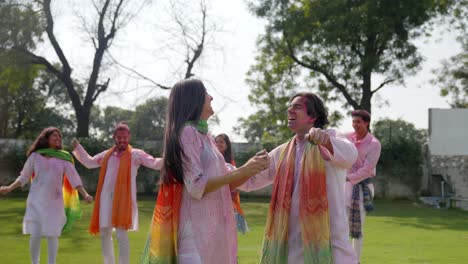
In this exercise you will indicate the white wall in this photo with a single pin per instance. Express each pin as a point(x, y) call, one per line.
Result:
point(448, 131)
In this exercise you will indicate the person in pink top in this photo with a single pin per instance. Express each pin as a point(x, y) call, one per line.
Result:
point(359, 189)
point(192, 165)
point(306, 197)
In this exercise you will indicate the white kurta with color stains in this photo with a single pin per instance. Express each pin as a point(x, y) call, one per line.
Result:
point(139, 157)
point(45, 199)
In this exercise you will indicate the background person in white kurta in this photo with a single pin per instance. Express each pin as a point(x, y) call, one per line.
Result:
point(45, 214)
point(306, 118)
point(138, 157)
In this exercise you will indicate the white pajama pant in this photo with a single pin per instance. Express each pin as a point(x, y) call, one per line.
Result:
point(35, 244)
point(108, 246)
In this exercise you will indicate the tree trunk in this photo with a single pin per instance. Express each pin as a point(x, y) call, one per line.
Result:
point(4, 112)
point(82, 118)
point(366, 98)
point(19, 121)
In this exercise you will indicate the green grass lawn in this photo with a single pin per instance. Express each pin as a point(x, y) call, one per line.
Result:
point(398, 232)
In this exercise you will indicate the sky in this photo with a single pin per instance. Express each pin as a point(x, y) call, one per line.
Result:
point(146, 46)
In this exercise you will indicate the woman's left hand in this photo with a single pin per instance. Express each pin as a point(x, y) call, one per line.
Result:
point(88, 198)
point(4, 189)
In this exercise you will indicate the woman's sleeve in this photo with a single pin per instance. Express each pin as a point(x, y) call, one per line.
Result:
point(72, 175)
point(265, 177)
point(194, 177)
point(28, 170)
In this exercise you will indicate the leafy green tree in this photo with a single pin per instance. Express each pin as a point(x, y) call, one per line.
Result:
point(12, 76)
point(24, 109)
point(345, 42)
point(146, 122)
point(105, 120)
point(26, 105)
point(109, 18)
point(452, 77)
point(401, 155)
point(336, 48)
point(149, 119)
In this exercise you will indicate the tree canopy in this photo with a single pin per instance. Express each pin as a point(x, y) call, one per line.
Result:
point(452, 76)
point(24, 108)
point(401, 154)
point(342, 50)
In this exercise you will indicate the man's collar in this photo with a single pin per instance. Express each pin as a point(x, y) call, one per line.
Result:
point(299, 141)
point(366, 138)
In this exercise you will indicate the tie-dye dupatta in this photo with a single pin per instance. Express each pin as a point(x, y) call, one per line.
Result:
point(71, 200)
point(313, 208)
point(161, 245)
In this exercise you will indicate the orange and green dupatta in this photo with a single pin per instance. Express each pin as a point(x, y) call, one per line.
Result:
point(71, 200)
point(161, 245)
point(313, 208)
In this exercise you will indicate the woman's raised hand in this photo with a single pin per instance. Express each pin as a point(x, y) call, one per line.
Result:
point(258, 163)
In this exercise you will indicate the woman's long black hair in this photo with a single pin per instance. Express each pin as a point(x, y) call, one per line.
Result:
point(185, 104)
point(42, 141)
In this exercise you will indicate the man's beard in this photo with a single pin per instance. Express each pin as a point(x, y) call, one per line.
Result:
point(121, 147)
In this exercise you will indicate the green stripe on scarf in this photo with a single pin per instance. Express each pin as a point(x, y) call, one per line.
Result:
point(56, 153)
point(200, 125)
point(71, 200)
point(313, 208)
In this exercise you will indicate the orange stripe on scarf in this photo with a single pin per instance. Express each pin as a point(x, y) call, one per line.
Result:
point(235, 196)
point(313, 208)
point(122, 202)
point(161, 245)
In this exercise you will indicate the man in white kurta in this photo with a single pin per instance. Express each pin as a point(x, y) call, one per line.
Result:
point(338, 158)
point(138, 158)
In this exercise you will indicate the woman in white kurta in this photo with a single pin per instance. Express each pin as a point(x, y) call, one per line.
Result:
point(45, 214)
point(45, 200)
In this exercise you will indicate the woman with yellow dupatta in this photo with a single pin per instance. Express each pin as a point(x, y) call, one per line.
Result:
point(193, 221)
point(52, 203)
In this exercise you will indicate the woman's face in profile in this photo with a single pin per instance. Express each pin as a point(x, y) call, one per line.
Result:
point(207, 109)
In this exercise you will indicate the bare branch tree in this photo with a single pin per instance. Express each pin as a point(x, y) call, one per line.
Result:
point(191, 35)
point(194, 45)
point(110, 19)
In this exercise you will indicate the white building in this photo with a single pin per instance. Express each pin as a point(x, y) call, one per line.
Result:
point(446, 173)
